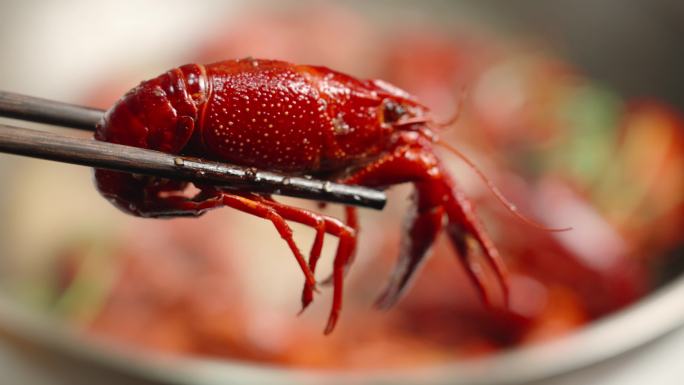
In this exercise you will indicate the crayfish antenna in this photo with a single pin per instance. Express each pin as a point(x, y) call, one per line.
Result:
point(495, 190)
point(456, 115)
point(430, 122)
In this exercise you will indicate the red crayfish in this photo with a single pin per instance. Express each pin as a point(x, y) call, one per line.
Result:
point(296, 119)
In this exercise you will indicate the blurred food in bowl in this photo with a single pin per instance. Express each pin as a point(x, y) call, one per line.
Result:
point(564, 148)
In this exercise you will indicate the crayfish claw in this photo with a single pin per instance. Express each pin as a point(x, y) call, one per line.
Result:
point(332, 321)
point(387, 299)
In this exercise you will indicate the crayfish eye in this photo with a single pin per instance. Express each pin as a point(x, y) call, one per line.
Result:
point(392, 111)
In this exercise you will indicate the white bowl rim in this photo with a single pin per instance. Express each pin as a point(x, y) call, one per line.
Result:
point(655, 315)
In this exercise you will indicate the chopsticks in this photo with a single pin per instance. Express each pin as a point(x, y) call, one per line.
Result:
point(47, 111)
point(89, 152)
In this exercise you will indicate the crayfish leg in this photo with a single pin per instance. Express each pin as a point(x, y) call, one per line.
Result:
point(352, 222)
point(157, 198)
point(351, 219)
point(251, 204)
point(343, 256)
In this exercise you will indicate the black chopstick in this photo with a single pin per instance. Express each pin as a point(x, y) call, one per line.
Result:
point(40, 110)
point(88, 152)
point(93, 153)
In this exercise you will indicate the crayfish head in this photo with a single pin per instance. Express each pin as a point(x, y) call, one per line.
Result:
point(399, 110)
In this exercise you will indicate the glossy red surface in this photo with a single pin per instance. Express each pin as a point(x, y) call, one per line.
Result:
point(263, 113)
point(301, 119)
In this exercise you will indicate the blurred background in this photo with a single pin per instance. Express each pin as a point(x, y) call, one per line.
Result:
point(572, 107)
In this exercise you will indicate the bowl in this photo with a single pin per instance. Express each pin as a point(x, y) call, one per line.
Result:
point(589, 37)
